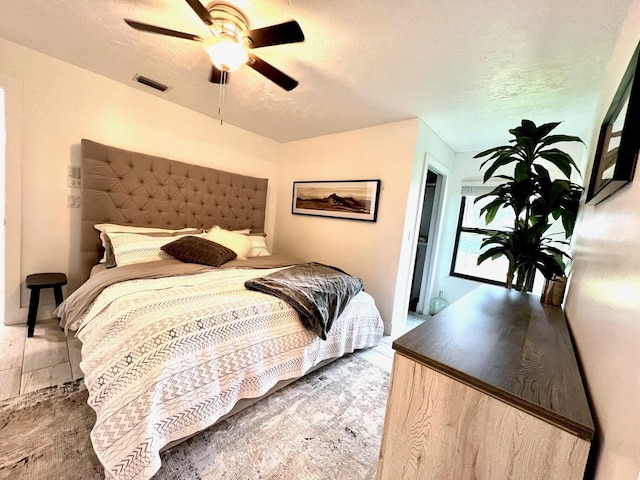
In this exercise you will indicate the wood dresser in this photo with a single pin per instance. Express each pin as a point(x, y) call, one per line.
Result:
point(488, 389)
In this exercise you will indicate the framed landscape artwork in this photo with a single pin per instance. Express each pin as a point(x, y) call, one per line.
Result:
point(350, 199)
point(619, 142)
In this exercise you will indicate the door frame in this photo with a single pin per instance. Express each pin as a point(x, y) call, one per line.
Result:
point(426, 285)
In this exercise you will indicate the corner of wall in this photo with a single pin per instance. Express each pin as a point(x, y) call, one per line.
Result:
point(13, 198)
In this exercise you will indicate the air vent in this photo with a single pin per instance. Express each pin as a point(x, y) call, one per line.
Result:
point(151, 83)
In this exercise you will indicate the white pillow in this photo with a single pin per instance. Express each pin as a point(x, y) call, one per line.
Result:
point(235, 241)
point(115, 228)
point(244, 231)
point(131, 248)
point(258, 246)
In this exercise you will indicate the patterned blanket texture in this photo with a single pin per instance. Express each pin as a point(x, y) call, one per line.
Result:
point(165, 358)
point(319, 293)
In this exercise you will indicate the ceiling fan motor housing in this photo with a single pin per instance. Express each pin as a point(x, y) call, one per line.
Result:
point(228, 20)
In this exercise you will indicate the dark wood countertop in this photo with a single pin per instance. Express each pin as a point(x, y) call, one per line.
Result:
point(510, 346)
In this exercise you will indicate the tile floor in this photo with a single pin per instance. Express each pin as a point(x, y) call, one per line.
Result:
point(49, 358)
point(27, 364)
point(382, 355)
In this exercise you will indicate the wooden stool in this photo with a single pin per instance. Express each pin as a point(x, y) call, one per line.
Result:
point(35, 283)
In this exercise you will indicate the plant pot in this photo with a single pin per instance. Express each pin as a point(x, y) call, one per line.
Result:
point(553, 291)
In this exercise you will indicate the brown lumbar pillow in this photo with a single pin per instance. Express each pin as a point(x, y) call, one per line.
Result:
point(199, 250)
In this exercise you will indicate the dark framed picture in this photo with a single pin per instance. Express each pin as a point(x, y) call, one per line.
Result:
point(619, 141)
point(350, 199)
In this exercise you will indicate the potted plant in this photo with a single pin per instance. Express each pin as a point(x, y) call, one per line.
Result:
point(536, 199)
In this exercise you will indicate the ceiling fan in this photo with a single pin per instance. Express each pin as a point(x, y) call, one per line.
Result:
point(232, 38)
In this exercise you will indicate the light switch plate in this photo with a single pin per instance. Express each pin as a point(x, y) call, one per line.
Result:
point(73, 177)
point(73, 182)
point(73, 201)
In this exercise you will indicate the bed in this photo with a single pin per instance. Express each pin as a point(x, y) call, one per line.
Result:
point(171, 347)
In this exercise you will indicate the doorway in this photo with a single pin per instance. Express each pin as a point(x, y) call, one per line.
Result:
point(427, 234)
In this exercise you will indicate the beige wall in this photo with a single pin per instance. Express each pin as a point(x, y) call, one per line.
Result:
point(51, 105)
point(365, 249)
point(381, 253)
point(603, 301)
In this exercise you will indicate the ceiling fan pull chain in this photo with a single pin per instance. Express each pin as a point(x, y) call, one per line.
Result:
point(223, 82)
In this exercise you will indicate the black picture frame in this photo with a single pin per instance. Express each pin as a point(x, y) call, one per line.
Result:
point(619, 142)
point(345, 199)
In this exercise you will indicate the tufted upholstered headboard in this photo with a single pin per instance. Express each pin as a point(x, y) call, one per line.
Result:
point(131, 188)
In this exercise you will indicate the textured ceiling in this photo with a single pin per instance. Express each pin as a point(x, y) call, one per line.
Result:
point(470, 69)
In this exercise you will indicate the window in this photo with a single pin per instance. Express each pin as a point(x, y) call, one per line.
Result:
point(470, 235)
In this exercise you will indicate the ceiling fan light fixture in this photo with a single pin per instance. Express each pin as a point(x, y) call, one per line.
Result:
point(226, 54)
point(232, 39)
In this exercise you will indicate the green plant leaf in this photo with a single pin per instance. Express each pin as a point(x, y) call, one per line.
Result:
point(504, 177)
point(542, 172)
point(522, 172)
point(544, 130)
point(527, 144)
point(559, 159)
point(556, 251)
point(500, 162)
point(551, 139)
point(558, 189)
point(498, 191)
point(568, 222)
point(491, 150)
point(526, 129)
point(492, 253)
point(568, 157)
point(491, 209)
point(550, 266)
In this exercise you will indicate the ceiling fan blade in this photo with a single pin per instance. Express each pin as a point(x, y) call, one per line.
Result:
point(162, 31)
point(202, 12)
point(272, 73)
point(288, 32)
point(216, 76)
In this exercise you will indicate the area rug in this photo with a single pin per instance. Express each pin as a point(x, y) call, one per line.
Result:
point(327, 425)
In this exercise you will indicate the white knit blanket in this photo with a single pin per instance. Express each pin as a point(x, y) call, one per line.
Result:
point(165, 358)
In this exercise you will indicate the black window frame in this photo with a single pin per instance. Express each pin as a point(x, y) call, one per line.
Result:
point(462, 229)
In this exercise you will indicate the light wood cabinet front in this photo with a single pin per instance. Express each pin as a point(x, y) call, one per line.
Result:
point(440, 428)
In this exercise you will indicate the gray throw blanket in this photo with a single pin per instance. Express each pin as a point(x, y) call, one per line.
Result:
point(319, 293)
